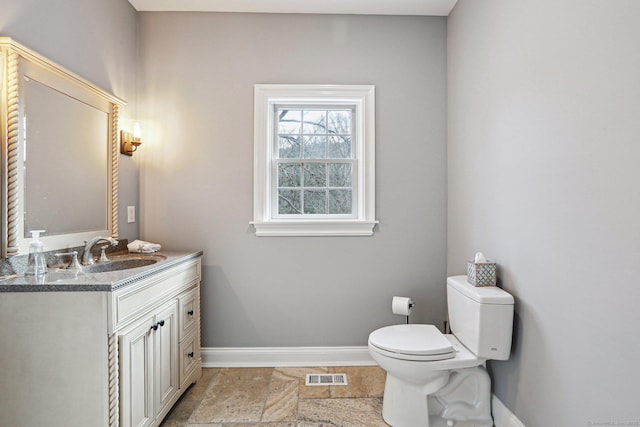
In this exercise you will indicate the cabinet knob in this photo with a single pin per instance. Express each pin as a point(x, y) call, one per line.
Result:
point(190, 312)
point(190, 354)
point(161, 323)
point(154, 327)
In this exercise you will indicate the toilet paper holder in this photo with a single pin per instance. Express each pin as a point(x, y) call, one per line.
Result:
point(402, 306)
point(411, 305)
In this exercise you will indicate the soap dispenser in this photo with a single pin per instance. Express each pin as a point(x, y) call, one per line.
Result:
point(36, 263)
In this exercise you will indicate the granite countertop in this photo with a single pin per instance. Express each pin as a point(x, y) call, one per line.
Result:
point(77, 280)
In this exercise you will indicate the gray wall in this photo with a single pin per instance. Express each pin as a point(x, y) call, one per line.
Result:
point(95, 39)
point(198, 72)
point(543, 149)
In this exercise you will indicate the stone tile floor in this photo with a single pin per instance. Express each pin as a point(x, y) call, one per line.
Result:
point(278, 397)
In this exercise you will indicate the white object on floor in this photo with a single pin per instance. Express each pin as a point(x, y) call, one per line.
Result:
point(140, 246)
point(433, 378)
point(326, 379)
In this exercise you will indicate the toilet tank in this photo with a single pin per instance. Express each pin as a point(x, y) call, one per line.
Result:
point(480, 317)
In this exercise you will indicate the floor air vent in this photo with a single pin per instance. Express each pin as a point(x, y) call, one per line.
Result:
point(326, 379)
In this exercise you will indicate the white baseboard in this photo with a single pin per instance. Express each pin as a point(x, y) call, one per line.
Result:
point(246, 357)
point(502, 416)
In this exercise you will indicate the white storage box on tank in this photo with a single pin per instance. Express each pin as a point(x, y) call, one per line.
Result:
point(489, 306)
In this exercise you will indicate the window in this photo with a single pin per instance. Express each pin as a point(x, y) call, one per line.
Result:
point(314, 160)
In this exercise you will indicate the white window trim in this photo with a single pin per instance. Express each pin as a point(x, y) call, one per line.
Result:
point(268, 95)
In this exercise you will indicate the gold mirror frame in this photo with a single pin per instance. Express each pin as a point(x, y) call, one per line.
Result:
point(14, 59)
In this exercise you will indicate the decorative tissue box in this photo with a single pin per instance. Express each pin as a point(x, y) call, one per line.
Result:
point(481, 273)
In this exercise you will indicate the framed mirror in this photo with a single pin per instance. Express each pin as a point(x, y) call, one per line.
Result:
point(60, 153)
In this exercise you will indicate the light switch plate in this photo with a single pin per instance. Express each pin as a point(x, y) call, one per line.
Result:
point(131, 214)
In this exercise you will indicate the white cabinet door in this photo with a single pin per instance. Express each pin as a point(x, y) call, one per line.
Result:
point(136, 374)
point(166, 355)
point(149, 367)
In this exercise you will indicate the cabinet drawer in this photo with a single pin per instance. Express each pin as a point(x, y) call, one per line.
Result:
point(189, 310)
point(132, 301)
point(189, 357)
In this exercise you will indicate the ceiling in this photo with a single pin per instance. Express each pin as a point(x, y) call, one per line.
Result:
point(355, 7)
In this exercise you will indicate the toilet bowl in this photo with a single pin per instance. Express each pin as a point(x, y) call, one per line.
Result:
point(434, 379)
point(412, 376)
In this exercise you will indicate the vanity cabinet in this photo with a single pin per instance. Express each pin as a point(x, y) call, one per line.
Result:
point(159, 352)
point(118, 356)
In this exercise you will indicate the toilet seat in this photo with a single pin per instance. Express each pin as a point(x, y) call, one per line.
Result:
point(412, 342)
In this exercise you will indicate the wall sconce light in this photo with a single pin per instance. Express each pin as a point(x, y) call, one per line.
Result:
point(130, 142)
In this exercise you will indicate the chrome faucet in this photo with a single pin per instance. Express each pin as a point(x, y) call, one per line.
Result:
point(87, 258)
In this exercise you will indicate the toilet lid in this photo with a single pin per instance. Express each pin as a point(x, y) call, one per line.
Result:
point(417, 340)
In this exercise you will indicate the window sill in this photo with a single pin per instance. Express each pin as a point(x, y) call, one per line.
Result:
point(302, 228)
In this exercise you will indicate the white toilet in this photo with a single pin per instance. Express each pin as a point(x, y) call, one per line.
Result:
point(435, 379)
